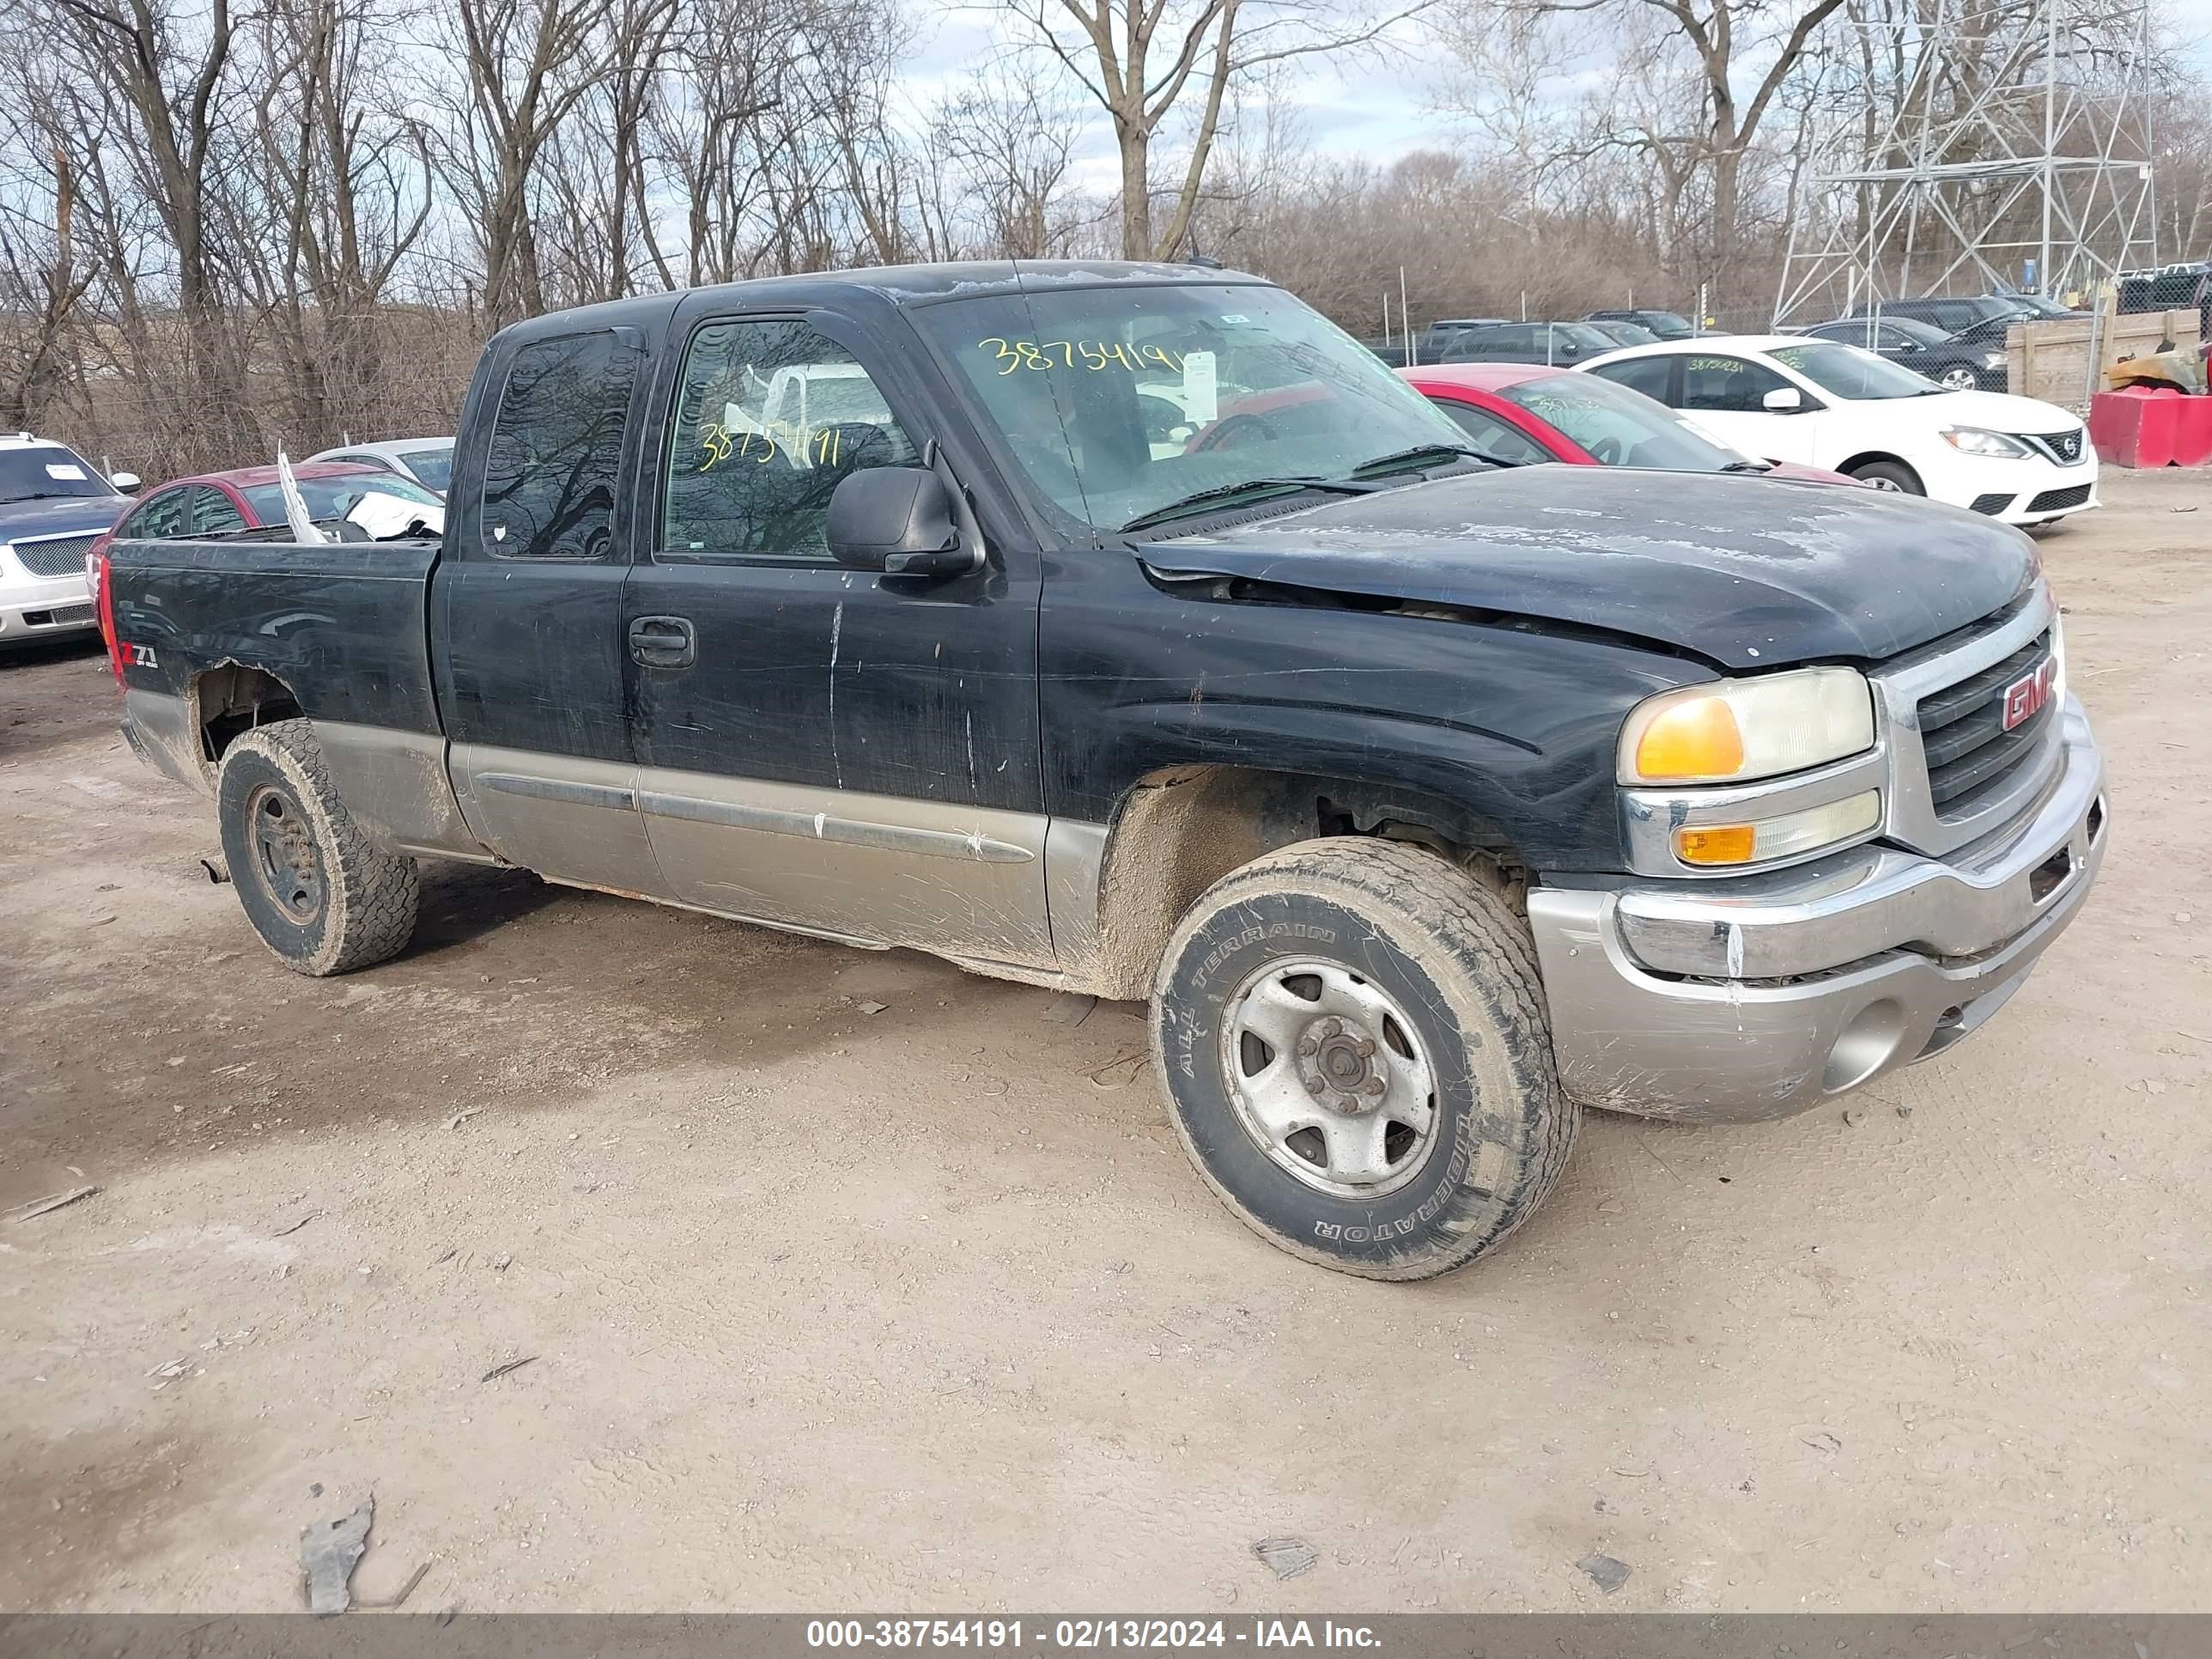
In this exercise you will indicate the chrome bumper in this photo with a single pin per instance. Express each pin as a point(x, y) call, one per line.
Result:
point(1753, 998)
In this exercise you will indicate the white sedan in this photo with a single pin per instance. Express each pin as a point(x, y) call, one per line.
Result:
point(1819, 402)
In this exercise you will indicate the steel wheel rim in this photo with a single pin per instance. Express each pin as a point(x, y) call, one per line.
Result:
point(1328, 1078)
point(1961, 380)
point(285, 861)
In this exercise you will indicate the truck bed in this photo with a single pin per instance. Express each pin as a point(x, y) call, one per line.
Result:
point(339, 628)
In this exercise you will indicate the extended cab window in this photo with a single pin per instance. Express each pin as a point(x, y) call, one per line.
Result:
point(556, 450)
point(770, 417)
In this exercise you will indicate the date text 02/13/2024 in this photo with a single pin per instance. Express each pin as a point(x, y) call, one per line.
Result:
point(1086, 1633)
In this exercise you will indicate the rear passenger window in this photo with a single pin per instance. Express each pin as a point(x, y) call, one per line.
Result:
point(770, 417)
point(549, 480)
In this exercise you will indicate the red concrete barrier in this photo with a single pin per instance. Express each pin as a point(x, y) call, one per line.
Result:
point(2136, 425)
point(2192, 433)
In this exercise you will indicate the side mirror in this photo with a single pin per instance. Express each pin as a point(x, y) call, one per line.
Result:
point(898, 520)
point(124, 483)
point(1784, 400)
point(1910, 345)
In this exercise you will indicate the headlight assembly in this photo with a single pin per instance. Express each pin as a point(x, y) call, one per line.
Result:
point(1736, 730)
point(1973, 441)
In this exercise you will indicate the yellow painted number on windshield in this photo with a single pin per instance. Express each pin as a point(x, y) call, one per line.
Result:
point(1096, 356)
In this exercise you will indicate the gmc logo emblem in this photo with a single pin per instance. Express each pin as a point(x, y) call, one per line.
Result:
point(2025, 697)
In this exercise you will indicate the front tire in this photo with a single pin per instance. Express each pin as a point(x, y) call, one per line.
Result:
point(1352, 1036)
point(1894, 476)
point(321, 895)
point(1960, 377)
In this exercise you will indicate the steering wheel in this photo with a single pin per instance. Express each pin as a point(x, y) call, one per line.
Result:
point(1041, 458)
point(1227, 432)
point(1606, 452)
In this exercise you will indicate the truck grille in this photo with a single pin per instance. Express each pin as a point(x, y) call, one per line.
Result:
point(55, 556)
point(1962, 730)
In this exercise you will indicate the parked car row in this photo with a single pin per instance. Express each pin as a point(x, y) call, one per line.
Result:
point(58, 511)
point(1947, 360)
point(1519, 413)
point(1500, 339)
point(1805, 406)
point(1959, 343)
point(1824, 404)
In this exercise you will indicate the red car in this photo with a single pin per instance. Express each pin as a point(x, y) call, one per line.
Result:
point(1526, 413)
point(250, 497)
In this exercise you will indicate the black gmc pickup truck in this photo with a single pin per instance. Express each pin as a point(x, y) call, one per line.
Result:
point(1132, 629)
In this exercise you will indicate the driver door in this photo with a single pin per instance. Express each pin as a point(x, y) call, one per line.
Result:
point(820, 747)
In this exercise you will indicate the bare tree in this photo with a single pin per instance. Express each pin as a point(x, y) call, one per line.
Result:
point(528, 64)
point(1700, 129)
point(1006, 152)
point(1147, 63)
point(41, 286)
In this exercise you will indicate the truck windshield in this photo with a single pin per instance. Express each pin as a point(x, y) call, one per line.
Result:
point(40, 471)
point(1119, 402)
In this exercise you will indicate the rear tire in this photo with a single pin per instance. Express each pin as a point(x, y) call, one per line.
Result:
point(321, 895)
point(1892, 476)
point(1406, 1116)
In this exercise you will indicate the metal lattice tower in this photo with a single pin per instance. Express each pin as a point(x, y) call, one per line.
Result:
point(2016, 131)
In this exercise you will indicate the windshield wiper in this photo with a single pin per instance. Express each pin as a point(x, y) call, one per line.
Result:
point(1748, 466)
point(1224, 492)
point(1422, 452)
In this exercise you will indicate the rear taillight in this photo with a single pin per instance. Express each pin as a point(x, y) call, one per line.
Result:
point(103, 604)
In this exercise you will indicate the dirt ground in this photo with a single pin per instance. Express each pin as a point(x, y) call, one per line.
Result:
point(921, 1308)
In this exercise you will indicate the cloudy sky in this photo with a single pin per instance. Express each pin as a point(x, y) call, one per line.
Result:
point(1356, 104)
point(1350, 105)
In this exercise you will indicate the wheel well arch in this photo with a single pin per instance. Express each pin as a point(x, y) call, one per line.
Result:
point(1178, 830)
point(230, 699)
point(1865, 456)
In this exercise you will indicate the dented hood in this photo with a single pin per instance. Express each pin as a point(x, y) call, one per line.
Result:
point(1747, 571)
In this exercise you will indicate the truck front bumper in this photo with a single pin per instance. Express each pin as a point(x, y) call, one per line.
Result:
point(1736, 1001)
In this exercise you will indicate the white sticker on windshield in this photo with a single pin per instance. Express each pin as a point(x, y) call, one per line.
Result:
point(1201, 391)
point(65, 471)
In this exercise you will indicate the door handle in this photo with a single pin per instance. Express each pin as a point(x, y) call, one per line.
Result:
point(663, 641)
